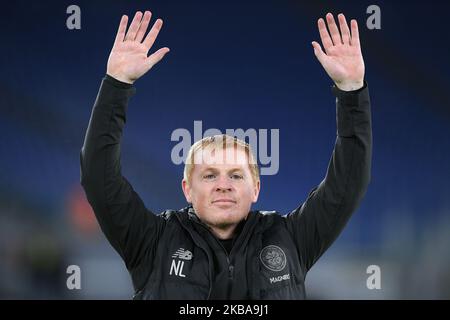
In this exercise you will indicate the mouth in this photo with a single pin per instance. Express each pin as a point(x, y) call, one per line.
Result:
point(224, 201)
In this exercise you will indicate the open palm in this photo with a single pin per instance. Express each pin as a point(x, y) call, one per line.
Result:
point(129, 59)
point(342, 59)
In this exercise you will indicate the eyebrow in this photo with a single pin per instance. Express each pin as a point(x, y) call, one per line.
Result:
point(215, 170)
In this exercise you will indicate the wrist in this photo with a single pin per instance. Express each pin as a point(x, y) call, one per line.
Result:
point(120, 78)
point(350, 86)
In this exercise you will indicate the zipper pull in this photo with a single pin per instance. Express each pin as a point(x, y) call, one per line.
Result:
point(230, 271)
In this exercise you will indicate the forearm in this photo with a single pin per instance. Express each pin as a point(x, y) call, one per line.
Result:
point(321, 218)
point(100, 154)
point(353, 150)
point(348, 173)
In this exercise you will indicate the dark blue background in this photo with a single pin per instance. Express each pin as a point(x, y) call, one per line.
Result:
point(232, 64)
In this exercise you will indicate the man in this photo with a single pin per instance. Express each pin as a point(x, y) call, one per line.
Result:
point(217, 248)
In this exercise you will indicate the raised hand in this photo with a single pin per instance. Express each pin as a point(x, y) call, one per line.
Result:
point(129, 59)
point(342, 59)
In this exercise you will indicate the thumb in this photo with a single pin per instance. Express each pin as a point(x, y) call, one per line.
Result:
point(320, 55)
point(157, 56)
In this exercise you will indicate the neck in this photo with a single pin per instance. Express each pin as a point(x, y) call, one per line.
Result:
point(223, 233)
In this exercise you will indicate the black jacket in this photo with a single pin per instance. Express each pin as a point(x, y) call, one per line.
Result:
point(174, 256)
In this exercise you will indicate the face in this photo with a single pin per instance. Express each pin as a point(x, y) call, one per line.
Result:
point(221, 189)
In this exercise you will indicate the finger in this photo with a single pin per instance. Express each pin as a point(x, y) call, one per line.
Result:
point(344, 29)
point(157, 56)
point(131, 34)
point(121, 31)
point(334, 31)
point(144, 25)
point(320, 55)
point(355, 33)
point(324, 35)
point(153, 34)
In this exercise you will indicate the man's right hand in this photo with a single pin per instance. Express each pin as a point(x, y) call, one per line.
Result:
point(128, 60)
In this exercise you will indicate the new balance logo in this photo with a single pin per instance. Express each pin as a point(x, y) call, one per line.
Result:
point(182, 254)
point(177, 265)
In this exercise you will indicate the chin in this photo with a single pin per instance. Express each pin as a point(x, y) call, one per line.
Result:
point(223, 223)
point(230, 216)
point(224, 218)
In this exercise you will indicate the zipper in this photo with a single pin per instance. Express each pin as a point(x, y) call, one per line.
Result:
point(230, 271)
point(230, 279)
point(230, 266)
point(217, 241)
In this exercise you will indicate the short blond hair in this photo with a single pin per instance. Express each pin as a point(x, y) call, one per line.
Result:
point(223, 142)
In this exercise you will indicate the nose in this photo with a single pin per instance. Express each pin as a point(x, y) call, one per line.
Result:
point(223, 184)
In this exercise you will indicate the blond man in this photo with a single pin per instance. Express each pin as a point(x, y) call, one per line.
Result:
point(217, 247)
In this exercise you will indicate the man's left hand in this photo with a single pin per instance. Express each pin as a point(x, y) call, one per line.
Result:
point(342, 59)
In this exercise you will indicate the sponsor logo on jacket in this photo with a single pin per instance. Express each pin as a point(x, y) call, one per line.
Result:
point(273, 258)
point(178, 259)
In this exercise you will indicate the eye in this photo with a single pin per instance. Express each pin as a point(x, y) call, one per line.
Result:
point(236, 176)
point(209, 176)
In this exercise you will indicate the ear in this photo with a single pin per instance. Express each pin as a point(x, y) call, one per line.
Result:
point(256, 191)
point(186, 190)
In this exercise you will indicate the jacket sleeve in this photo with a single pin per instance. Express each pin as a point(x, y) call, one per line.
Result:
point(130, 228)
point(320, 219)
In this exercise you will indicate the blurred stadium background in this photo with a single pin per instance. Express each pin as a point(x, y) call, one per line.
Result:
point(232, 64)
